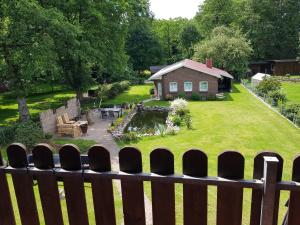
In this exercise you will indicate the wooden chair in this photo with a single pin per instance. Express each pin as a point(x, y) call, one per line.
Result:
point(111, 114)
point(104, 115)
point(66, 119)
point(67, 129)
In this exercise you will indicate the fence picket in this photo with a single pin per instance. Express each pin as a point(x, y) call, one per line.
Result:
point(6, 210)
point(23, 184)
point(73, 185)
point(230, 166)
point(163, 194)
point(294, 202)
point(195, 196)
point(257, 194)
point(132, 191)
point(103, 198)
point(49, 194)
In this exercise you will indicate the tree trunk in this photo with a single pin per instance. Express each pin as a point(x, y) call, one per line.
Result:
point(23, 109)
point(79, 95)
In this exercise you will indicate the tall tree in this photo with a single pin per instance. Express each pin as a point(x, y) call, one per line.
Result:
point(26, 50)
point(228, 48)
point(189, 37)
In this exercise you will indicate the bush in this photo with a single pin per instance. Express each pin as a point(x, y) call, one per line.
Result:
point(195, 97)
point(188, 121)
point(177, 120)
point(277, 96)
point(169, 97)
point(182, 95)
point(7, 135)
point(151, 91)
point(125, 85)
point(130, 137)
point(28, 133)
point(268, 85)
point(179, 106)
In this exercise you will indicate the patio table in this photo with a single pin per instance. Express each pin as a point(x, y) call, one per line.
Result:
point(115, 110)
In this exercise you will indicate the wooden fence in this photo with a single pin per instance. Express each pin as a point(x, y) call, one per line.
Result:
point(74, 172)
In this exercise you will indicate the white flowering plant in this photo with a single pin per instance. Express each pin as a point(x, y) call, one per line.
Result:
point(179, 106)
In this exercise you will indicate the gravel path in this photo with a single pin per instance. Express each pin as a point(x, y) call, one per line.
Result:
point(98, 132)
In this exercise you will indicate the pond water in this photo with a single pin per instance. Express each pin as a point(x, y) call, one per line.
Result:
point(148, 122)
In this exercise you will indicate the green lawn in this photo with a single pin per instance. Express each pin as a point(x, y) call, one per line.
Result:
point(292, 91)
point(135, 94)
point(36, 104)
point(241, 123)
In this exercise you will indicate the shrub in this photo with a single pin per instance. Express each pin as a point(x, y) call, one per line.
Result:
point(169, 97)
point(7, 135)
point(151, 91)
point(177, 120)
point(195, 97)
point(125, 85)
point(182, 95)
point(268, 85)
point(48, 136)
point(188, 121)
point(179, 106)
point(130, 137)
point(28, 133)
point(114, 90)
point(277, 96)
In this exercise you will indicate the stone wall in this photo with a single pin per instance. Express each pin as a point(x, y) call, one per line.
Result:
point(48, 117)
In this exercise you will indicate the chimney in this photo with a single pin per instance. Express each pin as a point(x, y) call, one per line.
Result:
point(209, 63)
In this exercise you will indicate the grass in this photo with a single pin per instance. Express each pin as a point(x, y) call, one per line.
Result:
point(36, 104)
point(292, 91)
point(83, 145)
point(135, 94)
point(241, 123)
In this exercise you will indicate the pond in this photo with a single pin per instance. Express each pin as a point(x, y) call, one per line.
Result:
point(147, 122)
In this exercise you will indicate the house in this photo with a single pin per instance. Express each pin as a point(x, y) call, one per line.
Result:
point(276, 67)
point(257, 78)
point(188, 77)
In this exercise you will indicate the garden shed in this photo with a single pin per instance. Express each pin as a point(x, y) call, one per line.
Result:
point(257, 78)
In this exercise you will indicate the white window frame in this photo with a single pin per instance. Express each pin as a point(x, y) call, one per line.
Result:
point(200, 88)
point(170, 87)
point(188, 90)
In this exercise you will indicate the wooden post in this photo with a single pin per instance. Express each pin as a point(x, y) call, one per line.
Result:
point(269, 194)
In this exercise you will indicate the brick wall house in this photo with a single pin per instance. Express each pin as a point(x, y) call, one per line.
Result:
point(190, 77)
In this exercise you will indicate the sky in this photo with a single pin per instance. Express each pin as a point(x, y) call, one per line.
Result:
point(166, 9)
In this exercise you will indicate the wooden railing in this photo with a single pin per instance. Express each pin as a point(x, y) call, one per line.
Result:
point(47, 171)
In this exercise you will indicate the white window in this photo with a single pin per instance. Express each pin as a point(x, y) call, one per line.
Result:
point(173, 87)
point(188, 86)
point(203, 86)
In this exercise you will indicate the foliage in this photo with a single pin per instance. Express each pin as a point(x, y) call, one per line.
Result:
point(189, 37)
point(277, 96)
point(151, 92)
point(7, 134)
point(179, 106)
point(169, 97)
point(130, 137)
point(28, 133)
point(268, 85)
point(195, 97)
point(229, 49)
point(182, 95)
point(177, 120)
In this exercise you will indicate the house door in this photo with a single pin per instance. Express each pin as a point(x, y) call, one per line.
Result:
point(159, 89)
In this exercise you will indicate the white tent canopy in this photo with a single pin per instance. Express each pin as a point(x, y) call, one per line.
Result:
point(257, 78)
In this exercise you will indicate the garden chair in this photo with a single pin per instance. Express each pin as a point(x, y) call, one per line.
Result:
point(66, 119)
point(111, 114)
point(72, 130)
point(104, 115)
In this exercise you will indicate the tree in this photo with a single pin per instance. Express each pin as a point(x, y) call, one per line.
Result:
point(272, 26)
point(229, 49)
point(26, 50)
point(143, 47)
point(214, 13)
point(189, 37)
point(168, 32)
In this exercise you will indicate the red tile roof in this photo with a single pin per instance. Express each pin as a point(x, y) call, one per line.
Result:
point(197, 66)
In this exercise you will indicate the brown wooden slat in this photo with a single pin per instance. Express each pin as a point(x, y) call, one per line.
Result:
point(163, 194)
point(99, 161)
point(258, 173)
point(294, 202)
point(230, 200)
point(23, 184)
point(132, 191)
point(6, 210)
point(74, 185)
point(49, 194)
point(195, 196)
